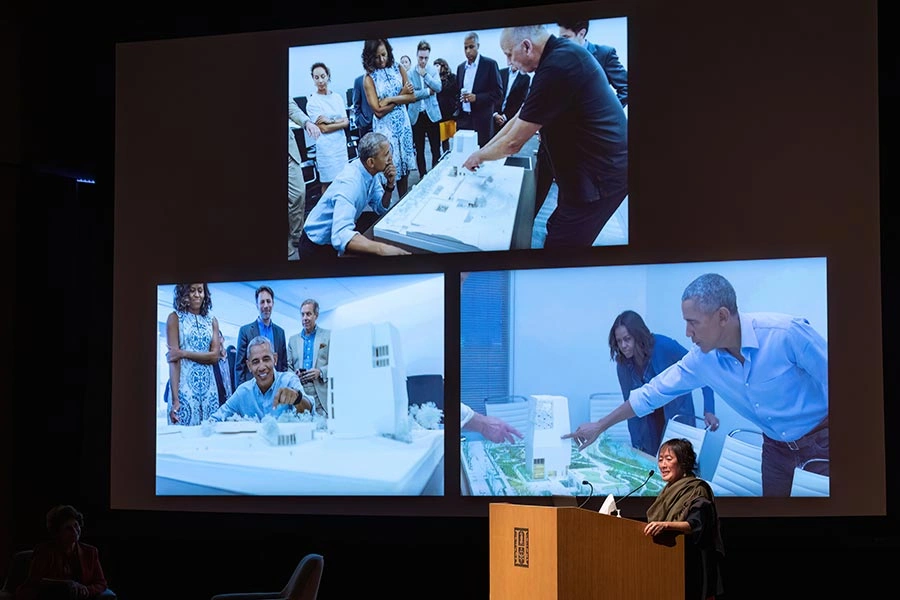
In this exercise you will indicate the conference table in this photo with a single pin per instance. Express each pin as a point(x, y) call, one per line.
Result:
point(452, 209)
point(193, 461)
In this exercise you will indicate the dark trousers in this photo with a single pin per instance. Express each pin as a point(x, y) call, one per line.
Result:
point(779, 459)
point(544, 177)
point(422, 127)
point(577, 226)
point(311, 251)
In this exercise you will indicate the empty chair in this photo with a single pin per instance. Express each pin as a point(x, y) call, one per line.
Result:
point(603, 403)
point(422, 389)
point(303, 584)
point(739, 470)
point(809, 483)
point(675, 428)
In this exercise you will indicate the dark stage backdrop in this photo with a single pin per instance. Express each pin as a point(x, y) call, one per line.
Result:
point(59, 401)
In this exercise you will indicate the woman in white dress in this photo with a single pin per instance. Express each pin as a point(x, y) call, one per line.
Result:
point(328, 110)
point(192, 334)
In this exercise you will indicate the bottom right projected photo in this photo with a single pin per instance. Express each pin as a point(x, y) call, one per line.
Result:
point(572, 378)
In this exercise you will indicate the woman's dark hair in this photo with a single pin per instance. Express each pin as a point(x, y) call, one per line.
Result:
point(182, 300)
point(322, 66)
point(58, 515)
point(370, 47)
point(684, 452)
point(643, 339)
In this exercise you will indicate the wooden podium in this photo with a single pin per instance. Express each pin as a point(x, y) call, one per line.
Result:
point(550, 553)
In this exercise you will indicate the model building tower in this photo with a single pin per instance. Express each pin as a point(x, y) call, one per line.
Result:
point(542, 420)
point(366, 381)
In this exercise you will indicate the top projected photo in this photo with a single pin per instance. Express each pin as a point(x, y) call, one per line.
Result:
point(463, 141)
point(314, 387)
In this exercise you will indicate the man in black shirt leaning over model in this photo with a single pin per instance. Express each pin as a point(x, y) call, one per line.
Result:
point(582, 124)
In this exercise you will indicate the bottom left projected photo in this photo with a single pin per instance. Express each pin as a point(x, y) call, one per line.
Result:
point(312, 387)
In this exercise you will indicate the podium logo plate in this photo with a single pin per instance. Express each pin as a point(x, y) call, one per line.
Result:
point(520, 549)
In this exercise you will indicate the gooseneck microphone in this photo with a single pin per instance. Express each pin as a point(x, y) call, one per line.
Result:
point(589, 484)
point(649, 475)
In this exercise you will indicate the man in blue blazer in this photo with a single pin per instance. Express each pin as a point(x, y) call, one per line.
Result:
point(262, 325)
point(425, 112)
point(479, 77)
point(605, 55)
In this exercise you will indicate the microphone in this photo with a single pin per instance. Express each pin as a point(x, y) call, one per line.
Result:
point(589, 484)
point(649, 475)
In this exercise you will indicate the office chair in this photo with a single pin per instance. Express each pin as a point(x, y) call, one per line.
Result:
point(739, 470)
point(810, 483)
point(303, 584)
point(603, 403)
point(421, 389)
point(677, 429)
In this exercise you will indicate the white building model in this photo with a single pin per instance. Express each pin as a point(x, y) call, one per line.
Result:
point(366, 381)
point(542, 420)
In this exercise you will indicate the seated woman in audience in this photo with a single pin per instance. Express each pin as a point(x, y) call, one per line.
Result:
point(192, 333)
point(328, 110)
point(64, 567)
point(686, 506)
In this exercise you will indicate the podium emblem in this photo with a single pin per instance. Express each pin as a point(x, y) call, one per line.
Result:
point(520, 550)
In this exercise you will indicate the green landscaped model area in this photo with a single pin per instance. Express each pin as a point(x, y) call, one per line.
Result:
point(612, 467)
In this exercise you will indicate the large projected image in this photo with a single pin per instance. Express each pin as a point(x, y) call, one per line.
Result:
point(526, 141)
point(578, 375)
point(313, 387)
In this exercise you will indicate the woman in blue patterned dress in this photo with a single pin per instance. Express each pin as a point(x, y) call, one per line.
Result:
point(192, 334)
point(388, 91)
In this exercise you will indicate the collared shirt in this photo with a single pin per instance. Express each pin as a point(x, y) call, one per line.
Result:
point(782, 386)
point(248, 401)
point(266, 330)
point(308, 350)
point(469, 80)
point(333, 219)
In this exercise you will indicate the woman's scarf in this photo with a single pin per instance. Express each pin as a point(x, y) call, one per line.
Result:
point(676, 498)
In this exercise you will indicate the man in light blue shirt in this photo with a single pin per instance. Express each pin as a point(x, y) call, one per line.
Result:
point(771, 368)
point(269, 392)
point(330, 229)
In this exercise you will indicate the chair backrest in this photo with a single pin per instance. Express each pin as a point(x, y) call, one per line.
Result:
point(18, 571)
point(739, 470)
point(808, 483)
point(421, 389)
point(516, 410)
point(305, 580)
point(603, 403)
point(675, 428)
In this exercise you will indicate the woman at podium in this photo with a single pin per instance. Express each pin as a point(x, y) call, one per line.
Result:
point(686, 506)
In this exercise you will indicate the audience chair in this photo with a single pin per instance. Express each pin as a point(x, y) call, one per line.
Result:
point(303, 584)
point(810, 483)
point(739, 470)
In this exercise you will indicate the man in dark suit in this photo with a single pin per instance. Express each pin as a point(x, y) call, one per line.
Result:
point(361, 108)
point(479, 78)
point(605, 55)
point(515, 86)
point(262, 325)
